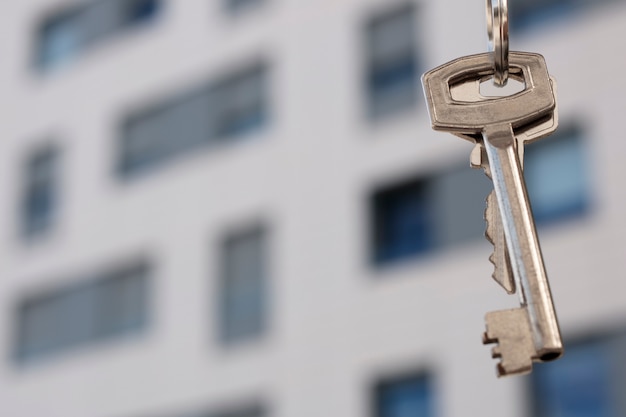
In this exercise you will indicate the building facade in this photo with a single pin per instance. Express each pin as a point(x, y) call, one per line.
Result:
point(237, 208)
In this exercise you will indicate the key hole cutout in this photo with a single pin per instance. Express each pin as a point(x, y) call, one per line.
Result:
point(489, 89)
point(484, 89)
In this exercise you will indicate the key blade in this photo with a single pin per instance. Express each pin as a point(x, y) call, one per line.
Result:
point(494, 233)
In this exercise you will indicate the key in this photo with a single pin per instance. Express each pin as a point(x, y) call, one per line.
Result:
point(531, 332)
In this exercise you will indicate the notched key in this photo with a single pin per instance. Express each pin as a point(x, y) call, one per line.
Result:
point(530, 332)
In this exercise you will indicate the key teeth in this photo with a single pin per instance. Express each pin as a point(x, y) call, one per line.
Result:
point(488, 235)
point(501, 369)
point(496, 353)
point(501, 272)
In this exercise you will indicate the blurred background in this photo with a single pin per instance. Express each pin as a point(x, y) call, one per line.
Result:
point(237, 208)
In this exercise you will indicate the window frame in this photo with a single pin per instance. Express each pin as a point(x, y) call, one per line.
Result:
point(378, 17)
point(126, 165)
point(73, 12)
point(97, 286)
point(261, 230)
point(435, 187)
point(30, 182)
point(404, 376)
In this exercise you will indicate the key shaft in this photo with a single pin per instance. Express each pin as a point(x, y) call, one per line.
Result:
point(521, 237)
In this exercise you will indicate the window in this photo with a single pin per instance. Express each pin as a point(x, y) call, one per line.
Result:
point(589, 381)
point(556, 176)
point(243, 286)
point(392, 77)
point(64, 35)
point(40, 193)
point(206, 116)
point(112, 304)
point(418, 215)
point(409, 396)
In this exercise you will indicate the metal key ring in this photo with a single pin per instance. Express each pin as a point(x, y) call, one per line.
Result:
point(498, 32)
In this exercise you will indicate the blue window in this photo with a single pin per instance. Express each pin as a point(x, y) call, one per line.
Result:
point(243, 286)
point(392, 64)
point(557, 176)
point(589, 381)
point(111, 305)
point(41, 192)
point(409, 396)
point(220, 113)
point(65, 35)
point(415, 216)
point(403, 222)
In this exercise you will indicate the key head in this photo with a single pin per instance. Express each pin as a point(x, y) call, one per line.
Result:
point(537, 100)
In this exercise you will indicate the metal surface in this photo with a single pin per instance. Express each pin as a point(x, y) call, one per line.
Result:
point(498, 32)
point(521, 238)
point(447, 114)
point(494, 232)
point(491, 122)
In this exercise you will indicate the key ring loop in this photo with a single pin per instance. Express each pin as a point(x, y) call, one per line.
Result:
point(498, 32)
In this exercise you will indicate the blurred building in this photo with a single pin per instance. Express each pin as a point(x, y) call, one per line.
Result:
point(237, 208)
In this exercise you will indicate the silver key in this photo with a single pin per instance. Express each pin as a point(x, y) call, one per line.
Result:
point(530, 332)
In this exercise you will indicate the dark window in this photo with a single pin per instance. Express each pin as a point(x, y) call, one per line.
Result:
point(403, 221)
point(409, 396)
point(243, 286)
point(589, 381)
point(111, 305)
point(210, 115)
point(64, 35)
point(41, 189)
point(556, 176)
point(416, 216)
point(392, 64)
